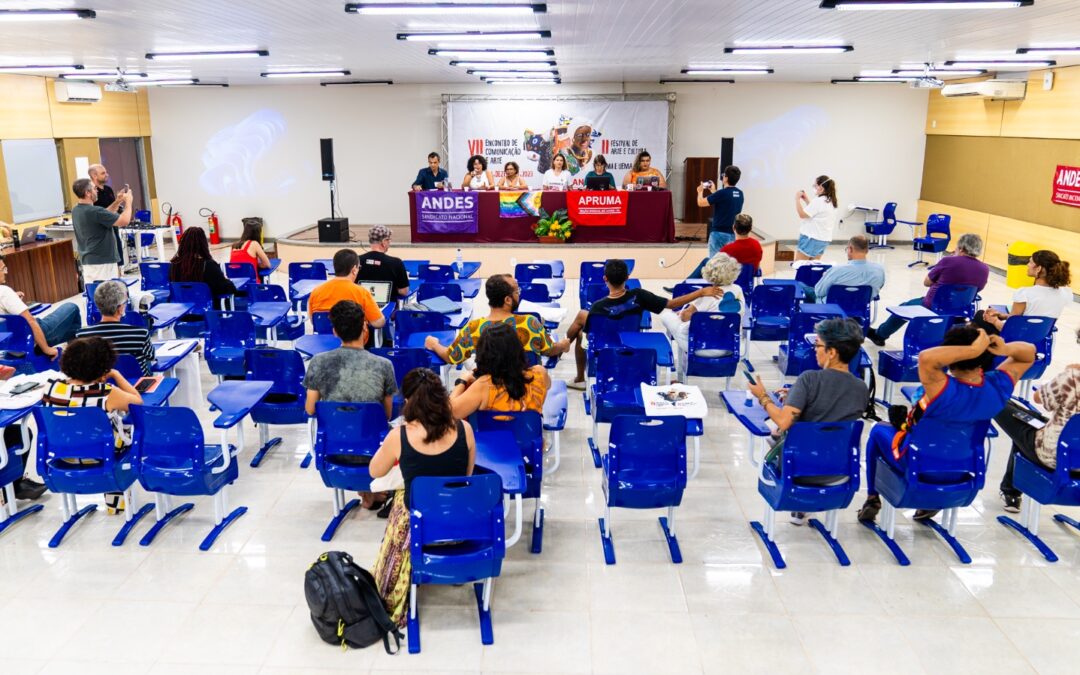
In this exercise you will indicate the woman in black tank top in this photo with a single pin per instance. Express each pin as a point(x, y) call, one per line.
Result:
point(430, 443)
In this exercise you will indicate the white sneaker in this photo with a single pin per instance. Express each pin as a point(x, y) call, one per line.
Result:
point(798, 518)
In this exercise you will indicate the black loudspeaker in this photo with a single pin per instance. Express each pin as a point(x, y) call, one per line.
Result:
point(334, 230)
point(326, 145)
point(727, 153)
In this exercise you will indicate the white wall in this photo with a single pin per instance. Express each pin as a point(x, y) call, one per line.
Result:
point(868, 138)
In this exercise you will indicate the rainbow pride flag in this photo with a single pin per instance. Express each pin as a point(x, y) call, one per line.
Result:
point(519, 204)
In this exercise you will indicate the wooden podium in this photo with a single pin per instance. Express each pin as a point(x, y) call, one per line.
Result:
point(44, 271)
point(695, 171)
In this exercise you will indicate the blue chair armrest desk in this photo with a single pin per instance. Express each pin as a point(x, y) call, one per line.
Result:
point(11, 469)
point(510, 445)
point(346, 438)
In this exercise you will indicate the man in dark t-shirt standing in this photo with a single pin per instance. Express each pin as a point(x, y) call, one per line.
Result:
point(376, 265)
point(727, 202)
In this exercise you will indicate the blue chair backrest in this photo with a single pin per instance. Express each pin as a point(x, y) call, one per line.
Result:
point(22, 338)
point(714, 331)
point(1068, 452)
point(230, 329)
point(942, 452)
point(888, 214)
point(648, 448)
point(1024, 328)
point(242, 270)
point(404, 360)
point(128, 366)
point(685, 287)
point(266, 293)
point(283, 367)
point(954, 299)
point(811, 274)
point(167, 438)
point(624, 369)
point(526, 272)
point(431, 272)
point(306, 270)
point(535, 292)
point(412, 267)
point(938, 223)
point(93, 314)
point(155, 276)
point(465, 509)
point(434, 289)
point(320, 323)
point(408, 322)
point(528, 429)
point(73, 433)
point(802, 324)
point(591, 292)
point(823, 449)
point(923, 332)
point(592, 272)
point(349, 428)
point(558, 267)
point(604, 330)
point(854, 300)
point(195, 293)
point(773, 300)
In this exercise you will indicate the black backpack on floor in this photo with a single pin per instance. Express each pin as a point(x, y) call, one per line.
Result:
point(345, 605)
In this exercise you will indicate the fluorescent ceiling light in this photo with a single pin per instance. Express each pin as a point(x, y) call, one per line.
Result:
point(882, 78)
point(923, 4)
point(727, 71)
point(499, 54)
point(46, 14)
point(66, 68)
point(306, 73)
point(789, 49)
point(188, 56)
point(934, 72)
point(164, 82)
point(327, 84)
point(524, 82)
point(478, 35)
point(514, 73)
point(506, 65)
point(1048, 51)
point(870, 80)
point(999, 64)
point(675, 80)
point(444, 8)
point(99, 76)
point(199, 83)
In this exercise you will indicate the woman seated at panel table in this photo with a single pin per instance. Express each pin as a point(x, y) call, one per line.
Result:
point(502, 380)
point(971, 391)
point(721, 271)
point(600, 171)
point(1048, 297)
point(831, 394)
point(430, 443)
point(557, 177)
point(512, 179)
point(477, 177)
point(643, 171)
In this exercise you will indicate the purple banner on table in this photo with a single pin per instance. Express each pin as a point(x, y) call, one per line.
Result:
point(447, 212)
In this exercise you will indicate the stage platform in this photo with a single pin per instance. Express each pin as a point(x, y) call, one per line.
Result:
point(679, 259)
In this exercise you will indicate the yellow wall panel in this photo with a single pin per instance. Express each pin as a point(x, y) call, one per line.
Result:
point(70, 148)
point(964, 221)
point(142, 102)
point(1046, 114)
point(24, 110)
point(966, 116)
point(115, 115)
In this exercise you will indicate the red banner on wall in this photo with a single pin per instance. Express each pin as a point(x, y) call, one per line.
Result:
point(607, 207)
point(1067, 186)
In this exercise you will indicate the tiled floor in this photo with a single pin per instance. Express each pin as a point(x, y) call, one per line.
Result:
point(88, 607)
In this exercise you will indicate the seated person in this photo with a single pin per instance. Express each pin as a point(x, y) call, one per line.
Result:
point(512, 179)
point(503, 295)
point(642, 170)
point(721, 272)
point(249, 249)
point(600, 171)
point(56, 327)
point(378, 265)
point(857, 272)
point(90, 381)
point(502, 379)
point(111, 299)
point(831, 394)
point(1060, 397)
point(344, 287)
point(432, 177)
point(964, 267)
point(744, 249)
point(193, 263)
point(477, 176)
point(621, 301)
point(25, 488)
point(970, 392)
point(430, 443)
point(1048, 297)
point(557, 177)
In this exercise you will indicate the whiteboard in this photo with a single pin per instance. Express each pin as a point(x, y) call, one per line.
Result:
point(33, 177)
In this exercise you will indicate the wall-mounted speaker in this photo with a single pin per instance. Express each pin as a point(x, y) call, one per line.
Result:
point(727, 153)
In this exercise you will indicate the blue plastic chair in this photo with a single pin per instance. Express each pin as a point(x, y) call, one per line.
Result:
point(946, 468)
point(303, 270)
point(456, 537)
point(685, 287)
point(404, 361)
point(620, 371)
point(603, 332)
point(528, 430)
point(155, 280)
point(819, 471)
point(173, 459)
point(1036, 330)
point(409, 322)
point(242, 270)
point(293, 325)
point(903, 366)
point(93, 315)
point(811, 274)
point(558, 267)
point(22, 340)
point(230, 335)
point(535, 292)
point(1057, 487)
point(854, 300)
point(526, 272)
point(76, 455)
point(935, 240)
point(435, 289)
point(11, 470)
point(344, 431)
point(955, 300)
point(412, 267)
point(745, 280)
point(713, 347)
point(320, 323)
point(589, 293)
point(284, 404)
point(771, 309)
point(797, 355)
point(880, 230)
point(196, 293)
point(644, 468)
point(436, 273)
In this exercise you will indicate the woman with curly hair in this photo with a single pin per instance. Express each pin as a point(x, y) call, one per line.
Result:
point(1048, 296)
point(721, 271)
point(502, 380)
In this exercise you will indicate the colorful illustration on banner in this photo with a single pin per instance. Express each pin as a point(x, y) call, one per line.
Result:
point(576, 147)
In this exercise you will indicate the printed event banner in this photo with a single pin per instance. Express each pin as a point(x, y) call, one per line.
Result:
point(446, 212)
point(1067, 186)
point(531, 133)
point(597, 208)
point(519, 204)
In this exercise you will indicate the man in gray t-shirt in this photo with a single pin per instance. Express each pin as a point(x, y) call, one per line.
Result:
point(95, 232)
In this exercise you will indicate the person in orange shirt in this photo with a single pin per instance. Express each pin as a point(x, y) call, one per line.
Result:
point(344, 287)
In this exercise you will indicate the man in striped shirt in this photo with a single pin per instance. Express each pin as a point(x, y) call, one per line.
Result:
point(111, 299)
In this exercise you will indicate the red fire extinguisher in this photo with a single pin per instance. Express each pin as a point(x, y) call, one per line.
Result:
point(172, 219)
point(212, 224)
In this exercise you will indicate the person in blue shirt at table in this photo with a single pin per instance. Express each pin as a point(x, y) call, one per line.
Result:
point(727, 202)
point(858, 272)
point(431, 177)
point(971, 392)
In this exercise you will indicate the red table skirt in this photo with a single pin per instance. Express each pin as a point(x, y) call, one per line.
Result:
point(649, 219)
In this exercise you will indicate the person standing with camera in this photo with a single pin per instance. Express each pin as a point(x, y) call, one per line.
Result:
point(727, 202)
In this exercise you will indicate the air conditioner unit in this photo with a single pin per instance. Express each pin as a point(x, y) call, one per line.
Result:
point(77, 92)
point(1007, 90)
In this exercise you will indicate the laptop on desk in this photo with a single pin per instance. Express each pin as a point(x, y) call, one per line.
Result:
point(28, 235)
point(380, 290)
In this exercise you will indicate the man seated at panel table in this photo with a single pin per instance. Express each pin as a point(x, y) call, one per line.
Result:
point(56, 327)
point(344, 287)
point(351, 374)
point(432, 177)
point(378, 265)
point(620, 302)
point(504, 296)
point(963, 267)
point(857, 272)
point(111, 298)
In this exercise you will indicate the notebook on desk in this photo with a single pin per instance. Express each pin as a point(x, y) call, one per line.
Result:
point(442, 305)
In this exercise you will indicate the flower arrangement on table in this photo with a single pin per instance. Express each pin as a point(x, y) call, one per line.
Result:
point(556, 226)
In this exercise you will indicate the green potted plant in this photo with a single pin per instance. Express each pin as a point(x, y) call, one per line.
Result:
point(555, 228)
